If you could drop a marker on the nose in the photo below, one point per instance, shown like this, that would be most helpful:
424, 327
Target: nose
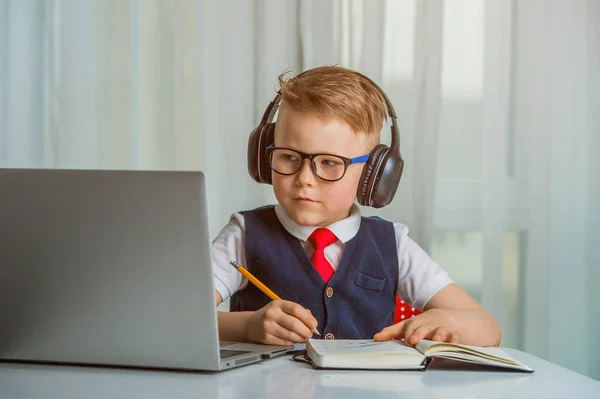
305, 175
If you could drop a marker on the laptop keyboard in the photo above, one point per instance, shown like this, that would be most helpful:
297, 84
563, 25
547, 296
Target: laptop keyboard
225, 353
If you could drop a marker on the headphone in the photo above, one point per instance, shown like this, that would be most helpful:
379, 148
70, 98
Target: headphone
381, 174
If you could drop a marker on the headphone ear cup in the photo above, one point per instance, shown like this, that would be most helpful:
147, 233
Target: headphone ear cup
380, 178
258, 163
387, 179
252, 156
267, 138
365, 183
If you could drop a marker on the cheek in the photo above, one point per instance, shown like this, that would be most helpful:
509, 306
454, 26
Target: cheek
278, 183
282, 186
347, 187
355, 177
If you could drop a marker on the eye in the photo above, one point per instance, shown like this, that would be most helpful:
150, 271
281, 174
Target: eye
290, 157
286, 156
330, 163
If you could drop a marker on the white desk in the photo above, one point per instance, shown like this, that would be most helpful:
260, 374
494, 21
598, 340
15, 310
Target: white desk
282, 378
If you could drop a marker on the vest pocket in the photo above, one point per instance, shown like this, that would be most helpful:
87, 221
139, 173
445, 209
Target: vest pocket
370, 283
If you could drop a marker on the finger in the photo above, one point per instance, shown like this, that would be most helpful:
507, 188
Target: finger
294, 324
441, 334
424, 330
454, 338
283, 333
304, 315
411, 326
275, 340
393, 331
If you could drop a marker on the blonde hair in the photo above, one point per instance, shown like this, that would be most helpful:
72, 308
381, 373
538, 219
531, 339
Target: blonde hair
337, 93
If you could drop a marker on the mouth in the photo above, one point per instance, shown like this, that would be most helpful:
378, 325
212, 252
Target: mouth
304, 200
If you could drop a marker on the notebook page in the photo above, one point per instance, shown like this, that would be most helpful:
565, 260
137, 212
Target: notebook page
492, 352
360, 346
475, 353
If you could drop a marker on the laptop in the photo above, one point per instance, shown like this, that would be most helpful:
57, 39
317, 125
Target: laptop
111, 268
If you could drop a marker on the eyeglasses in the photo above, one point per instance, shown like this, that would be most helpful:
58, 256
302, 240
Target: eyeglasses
328, 167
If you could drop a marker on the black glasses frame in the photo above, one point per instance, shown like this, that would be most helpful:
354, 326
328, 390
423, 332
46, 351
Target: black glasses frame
311, 157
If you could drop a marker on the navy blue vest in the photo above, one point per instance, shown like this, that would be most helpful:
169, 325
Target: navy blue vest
364, 284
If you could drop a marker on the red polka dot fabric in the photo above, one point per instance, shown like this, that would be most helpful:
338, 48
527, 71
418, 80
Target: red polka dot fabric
404, 311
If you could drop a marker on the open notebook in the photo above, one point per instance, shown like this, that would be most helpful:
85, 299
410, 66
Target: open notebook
368, 354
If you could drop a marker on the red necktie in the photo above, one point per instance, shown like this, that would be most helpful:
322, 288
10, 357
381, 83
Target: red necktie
321, 238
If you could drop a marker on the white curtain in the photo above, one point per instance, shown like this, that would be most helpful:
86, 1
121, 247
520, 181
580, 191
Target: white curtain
498, 103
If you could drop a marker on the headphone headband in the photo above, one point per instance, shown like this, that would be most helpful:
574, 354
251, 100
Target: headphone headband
273, 106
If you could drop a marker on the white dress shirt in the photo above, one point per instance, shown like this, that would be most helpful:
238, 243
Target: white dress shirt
419, 277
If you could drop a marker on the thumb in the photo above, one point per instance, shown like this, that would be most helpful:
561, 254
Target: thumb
393, 331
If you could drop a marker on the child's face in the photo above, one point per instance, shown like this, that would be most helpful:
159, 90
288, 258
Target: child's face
307, 199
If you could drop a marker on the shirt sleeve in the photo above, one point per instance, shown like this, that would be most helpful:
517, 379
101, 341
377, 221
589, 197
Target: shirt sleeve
419, 277
228, 246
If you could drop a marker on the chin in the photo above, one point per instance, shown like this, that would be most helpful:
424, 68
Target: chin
304, 217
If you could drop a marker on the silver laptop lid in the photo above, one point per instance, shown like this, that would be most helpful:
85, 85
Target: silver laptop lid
106, 267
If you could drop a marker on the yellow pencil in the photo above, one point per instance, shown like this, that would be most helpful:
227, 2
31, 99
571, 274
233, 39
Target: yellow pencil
260, 285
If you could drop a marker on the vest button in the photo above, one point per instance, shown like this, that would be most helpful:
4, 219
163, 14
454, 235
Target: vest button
329, 336
329, 292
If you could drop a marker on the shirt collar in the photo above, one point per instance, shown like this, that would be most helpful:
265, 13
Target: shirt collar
344, 229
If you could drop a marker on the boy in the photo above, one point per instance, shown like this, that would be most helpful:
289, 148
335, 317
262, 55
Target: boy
327, 128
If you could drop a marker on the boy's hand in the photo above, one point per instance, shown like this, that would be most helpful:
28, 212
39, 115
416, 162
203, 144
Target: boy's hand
434, 324
281, 323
